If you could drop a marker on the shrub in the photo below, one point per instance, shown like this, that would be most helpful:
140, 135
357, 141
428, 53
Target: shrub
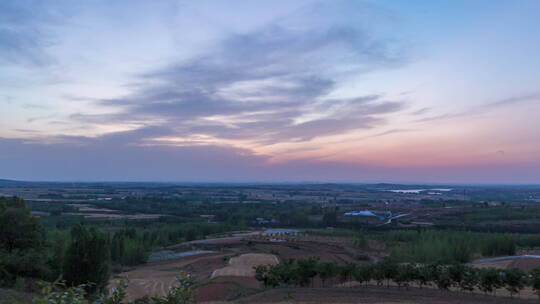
514, 280
87, 259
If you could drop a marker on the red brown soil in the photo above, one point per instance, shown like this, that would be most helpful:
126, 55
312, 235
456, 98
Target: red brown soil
248, 282
373, 295
218, 241
302, 250
525, 264
217, 291
156, 278
202, 269
244, 264
223, 288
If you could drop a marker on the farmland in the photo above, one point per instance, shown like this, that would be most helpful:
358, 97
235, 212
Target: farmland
225, 275
220, 234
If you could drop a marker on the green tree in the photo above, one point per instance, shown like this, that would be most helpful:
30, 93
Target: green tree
330, 219
423, 275
262, 275
117, 247
22, 241
18, 228
514, 280
404, 275
285, 273
389, 269
456, 272
327, 270
307, 270
469, 279
346, 271
363, 273
440, 275
87, 259
534, 276
378, 274
489, 280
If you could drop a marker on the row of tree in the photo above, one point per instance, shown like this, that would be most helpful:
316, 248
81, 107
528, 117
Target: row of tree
303, 273
446, 246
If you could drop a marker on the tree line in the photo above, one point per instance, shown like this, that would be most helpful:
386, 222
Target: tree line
303, 272
83, 254
447, 246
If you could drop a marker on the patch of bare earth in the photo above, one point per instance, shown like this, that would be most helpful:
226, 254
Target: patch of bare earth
224, 288
157, 277
495, 264
373, 295
525, 264
303, 250
243, 265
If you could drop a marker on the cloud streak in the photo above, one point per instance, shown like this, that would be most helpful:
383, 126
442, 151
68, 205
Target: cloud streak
488, 107
25, 31
267, 86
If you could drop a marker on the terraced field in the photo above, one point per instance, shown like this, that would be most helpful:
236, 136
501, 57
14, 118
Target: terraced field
157, 277
243, 265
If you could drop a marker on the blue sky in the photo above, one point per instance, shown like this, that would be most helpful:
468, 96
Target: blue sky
400, 91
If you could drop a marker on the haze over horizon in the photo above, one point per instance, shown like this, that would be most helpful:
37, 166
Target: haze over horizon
216, 91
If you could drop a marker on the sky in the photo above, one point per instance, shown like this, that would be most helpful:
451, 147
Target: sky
405, 91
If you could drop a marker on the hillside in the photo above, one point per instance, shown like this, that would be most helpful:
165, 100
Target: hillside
9, 183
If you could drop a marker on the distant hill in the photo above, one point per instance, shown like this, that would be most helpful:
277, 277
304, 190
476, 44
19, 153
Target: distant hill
9, 182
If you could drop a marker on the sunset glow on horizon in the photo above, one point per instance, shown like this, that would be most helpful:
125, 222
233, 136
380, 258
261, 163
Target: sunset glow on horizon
229, 91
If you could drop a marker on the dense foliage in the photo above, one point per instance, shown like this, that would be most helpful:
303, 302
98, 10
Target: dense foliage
22, 240
446, 246
87, 259
82, 252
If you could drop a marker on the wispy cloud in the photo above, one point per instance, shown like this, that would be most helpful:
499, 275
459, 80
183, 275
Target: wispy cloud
267, 86
25, 31
514, 100
484, 108
421, 111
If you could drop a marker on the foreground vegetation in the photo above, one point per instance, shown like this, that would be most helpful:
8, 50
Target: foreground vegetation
59, 293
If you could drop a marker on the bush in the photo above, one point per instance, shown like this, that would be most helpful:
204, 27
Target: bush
490, 279
59, 293
87, 259
515, 280
22, 241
